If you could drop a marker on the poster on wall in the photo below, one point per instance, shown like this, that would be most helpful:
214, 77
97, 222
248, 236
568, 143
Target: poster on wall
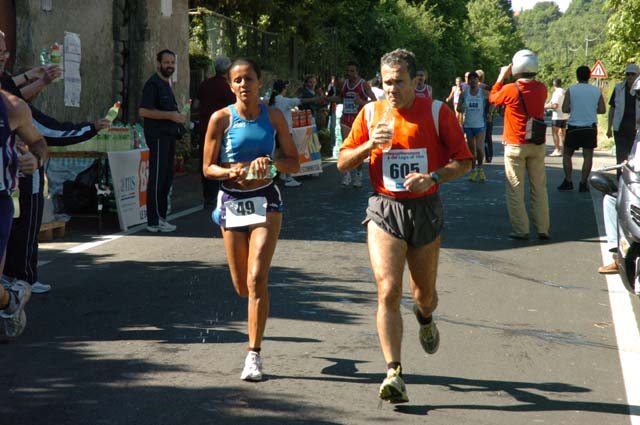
129, 173
71, 68
308, 145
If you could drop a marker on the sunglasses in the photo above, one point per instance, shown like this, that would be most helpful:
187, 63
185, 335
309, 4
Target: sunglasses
631, 73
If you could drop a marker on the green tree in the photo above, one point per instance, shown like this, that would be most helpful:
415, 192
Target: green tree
565, 41
622, 31
495, 37
534, 24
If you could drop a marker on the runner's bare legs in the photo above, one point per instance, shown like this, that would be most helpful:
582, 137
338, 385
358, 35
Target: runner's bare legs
249, 255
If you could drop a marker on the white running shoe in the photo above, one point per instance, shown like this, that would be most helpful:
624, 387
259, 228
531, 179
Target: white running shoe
357, 181
165, 226
252, 367
40, 288
346, 179
291, 182
13, 319
555, 153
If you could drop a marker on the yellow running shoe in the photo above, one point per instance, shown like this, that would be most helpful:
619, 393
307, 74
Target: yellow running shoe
428, 335
473, 174
482, 175
393, 388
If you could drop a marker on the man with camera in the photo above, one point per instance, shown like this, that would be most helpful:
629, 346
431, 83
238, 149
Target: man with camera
521, 155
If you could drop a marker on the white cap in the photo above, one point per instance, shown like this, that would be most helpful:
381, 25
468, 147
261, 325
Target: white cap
524, 62
635, 87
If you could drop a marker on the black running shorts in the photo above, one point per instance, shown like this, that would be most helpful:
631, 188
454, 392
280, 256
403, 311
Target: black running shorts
581, 137
416, 221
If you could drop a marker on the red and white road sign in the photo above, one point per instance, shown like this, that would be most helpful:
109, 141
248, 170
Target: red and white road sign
598, 70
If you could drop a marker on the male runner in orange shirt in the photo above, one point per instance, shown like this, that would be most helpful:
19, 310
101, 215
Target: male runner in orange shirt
404, 216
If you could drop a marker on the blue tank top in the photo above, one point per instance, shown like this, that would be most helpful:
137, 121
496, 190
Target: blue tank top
247, 140
9, 155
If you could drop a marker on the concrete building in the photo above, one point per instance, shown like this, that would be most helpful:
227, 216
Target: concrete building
119, 41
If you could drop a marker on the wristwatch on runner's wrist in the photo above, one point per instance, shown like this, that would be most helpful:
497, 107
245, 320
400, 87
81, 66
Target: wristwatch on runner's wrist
435, 177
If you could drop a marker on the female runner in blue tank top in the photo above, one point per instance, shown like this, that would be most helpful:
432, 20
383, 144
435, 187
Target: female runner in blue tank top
249, 211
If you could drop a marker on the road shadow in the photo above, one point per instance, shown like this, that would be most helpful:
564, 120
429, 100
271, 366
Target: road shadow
55, 369
527, 396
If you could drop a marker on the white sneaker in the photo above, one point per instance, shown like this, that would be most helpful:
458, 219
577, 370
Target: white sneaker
346, 179
40, 288
291, 182
357, 181
13, 322
252, 367
165, 226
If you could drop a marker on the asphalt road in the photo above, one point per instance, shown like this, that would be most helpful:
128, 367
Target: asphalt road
146, 328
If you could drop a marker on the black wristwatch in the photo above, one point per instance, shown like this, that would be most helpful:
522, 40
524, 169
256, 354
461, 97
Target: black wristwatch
435, 177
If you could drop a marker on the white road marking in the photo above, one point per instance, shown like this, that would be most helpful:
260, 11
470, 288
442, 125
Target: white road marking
108, 238
625, 323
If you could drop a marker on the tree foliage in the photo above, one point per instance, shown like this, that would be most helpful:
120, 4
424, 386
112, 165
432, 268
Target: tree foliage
494, 36
565, 41
622, 31
448, 37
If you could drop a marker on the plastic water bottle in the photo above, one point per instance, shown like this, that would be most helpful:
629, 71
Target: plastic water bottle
55, 58
272, 172
387, 123
186, 111
44, 57
112, 113
142, 144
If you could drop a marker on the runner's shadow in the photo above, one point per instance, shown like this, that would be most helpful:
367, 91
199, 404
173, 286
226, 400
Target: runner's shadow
530, 396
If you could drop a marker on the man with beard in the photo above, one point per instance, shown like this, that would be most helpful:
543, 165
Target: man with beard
163, 124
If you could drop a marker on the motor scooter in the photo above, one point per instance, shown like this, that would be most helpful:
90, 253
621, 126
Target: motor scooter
626, 190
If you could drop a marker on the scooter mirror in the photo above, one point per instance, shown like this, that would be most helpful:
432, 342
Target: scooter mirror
604, 183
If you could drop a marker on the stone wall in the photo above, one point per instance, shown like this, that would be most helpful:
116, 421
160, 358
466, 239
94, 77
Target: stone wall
120, 39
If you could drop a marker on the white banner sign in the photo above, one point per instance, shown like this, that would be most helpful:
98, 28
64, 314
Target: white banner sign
130, 172
308, 145
72, 81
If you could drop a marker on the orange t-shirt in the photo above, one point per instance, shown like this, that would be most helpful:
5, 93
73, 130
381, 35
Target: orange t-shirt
515, 120
414, 129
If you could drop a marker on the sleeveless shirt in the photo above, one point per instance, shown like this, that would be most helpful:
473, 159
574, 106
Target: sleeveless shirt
473, 109
246, 140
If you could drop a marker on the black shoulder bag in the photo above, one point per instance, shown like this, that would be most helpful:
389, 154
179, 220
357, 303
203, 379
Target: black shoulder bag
536, 128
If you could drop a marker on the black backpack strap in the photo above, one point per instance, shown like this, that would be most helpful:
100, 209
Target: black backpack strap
524, 105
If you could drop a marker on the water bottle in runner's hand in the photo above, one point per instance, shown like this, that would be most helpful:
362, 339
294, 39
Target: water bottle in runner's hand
271, 173
387, 122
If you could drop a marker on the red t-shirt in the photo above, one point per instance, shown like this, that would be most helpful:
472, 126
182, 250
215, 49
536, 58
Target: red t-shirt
515, 120
413, 129
214, 93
